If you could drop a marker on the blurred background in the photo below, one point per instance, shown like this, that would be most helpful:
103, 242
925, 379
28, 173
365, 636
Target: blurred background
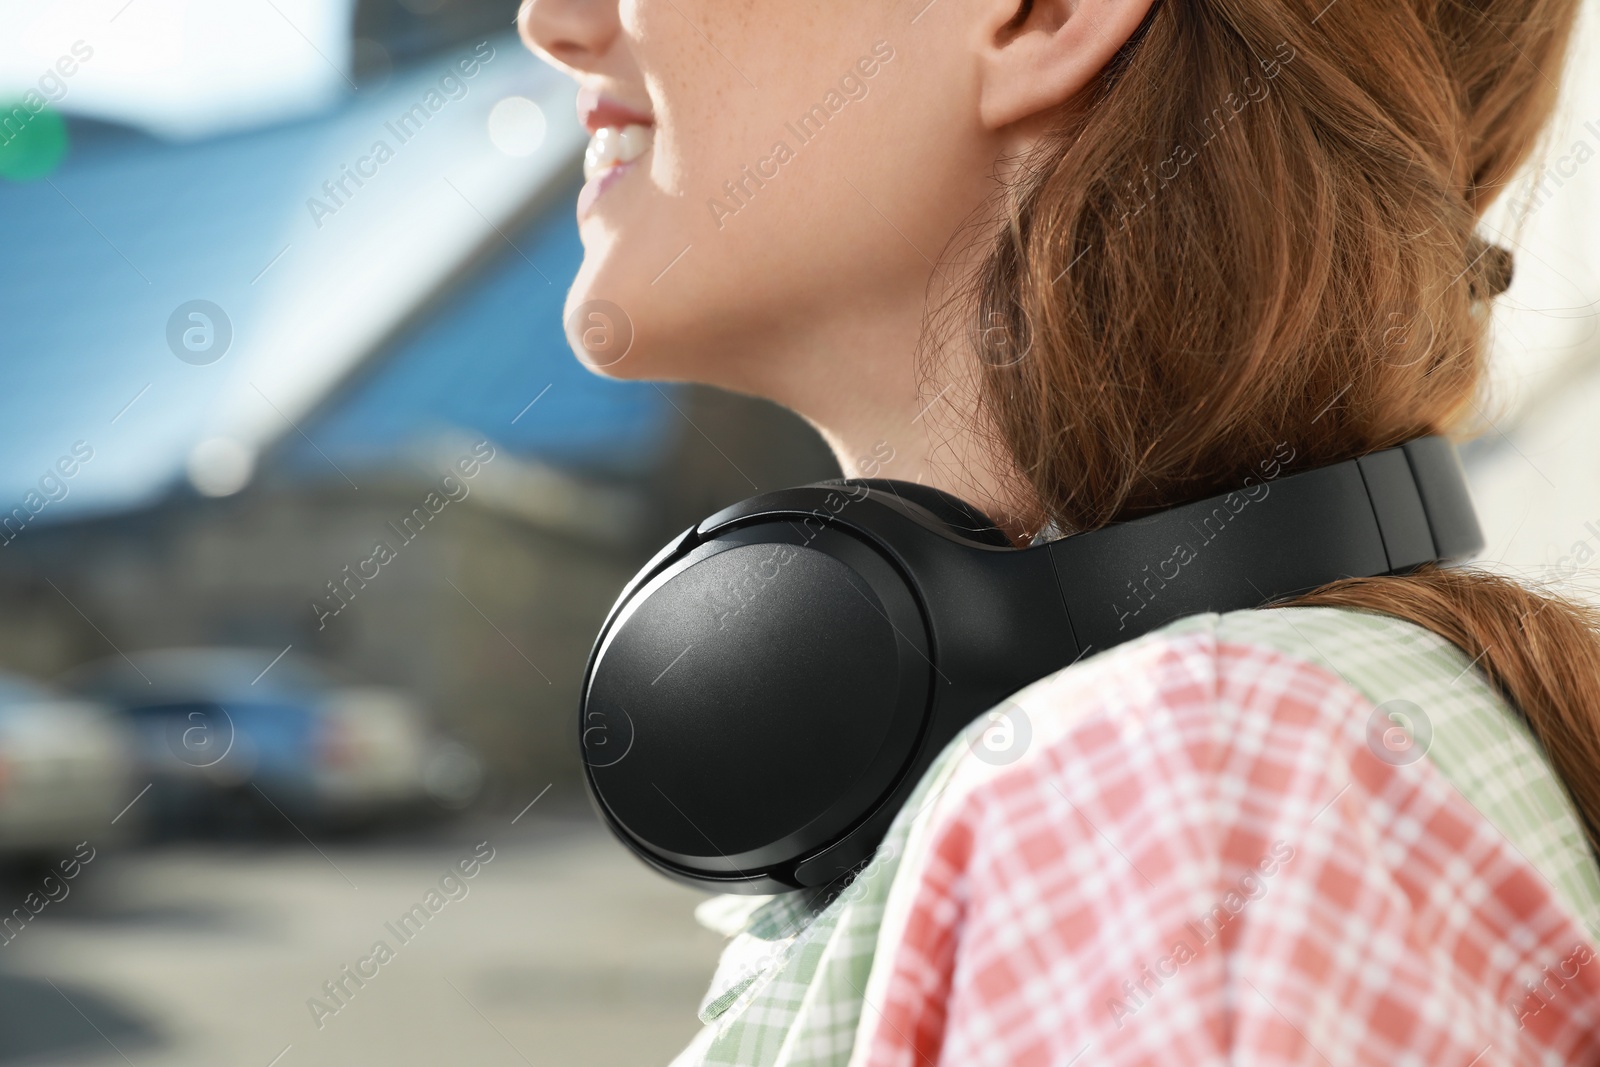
242, 347
308, 516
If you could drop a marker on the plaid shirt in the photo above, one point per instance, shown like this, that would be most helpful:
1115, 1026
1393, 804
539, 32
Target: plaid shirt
1209, 846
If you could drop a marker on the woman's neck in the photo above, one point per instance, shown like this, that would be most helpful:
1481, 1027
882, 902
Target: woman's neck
927, 432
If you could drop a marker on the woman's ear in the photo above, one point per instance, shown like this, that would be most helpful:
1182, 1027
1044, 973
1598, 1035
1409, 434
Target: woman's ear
1038, 54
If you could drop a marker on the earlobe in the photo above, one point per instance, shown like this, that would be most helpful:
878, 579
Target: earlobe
1040, 54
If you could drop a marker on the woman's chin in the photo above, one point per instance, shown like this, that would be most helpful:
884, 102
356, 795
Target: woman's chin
600, 316
619, 326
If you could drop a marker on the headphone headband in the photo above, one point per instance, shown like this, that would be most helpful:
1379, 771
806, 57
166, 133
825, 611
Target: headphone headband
1385, 513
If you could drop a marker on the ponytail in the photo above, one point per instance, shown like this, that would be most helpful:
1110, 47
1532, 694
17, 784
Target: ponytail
1541, 652
1261, 231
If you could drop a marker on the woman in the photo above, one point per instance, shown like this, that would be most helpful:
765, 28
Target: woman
1076, 261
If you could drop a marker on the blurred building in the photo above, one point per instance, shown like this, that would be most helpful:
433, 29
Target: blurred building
487, 612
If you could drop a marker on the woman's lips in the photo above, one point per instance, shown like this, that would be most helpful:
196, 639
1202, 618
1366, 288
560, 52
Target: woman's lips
619, 136
595, 186
595, 110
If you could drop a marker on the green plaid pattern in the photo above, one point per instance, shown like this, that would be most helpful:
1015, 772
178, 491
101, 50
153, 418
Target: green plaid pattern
1482, 746
789, 989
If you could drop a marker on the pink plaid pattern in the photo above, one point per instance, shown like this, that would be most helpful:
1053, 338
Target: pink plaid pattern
1199, 860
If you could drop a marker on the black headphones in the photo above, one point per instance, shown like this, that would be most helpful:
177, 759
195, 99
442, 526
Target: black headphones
766, 693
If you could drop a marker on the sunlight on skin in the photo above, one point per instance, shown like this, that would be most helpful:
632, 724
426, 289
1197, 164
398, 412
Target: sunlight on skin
818, 178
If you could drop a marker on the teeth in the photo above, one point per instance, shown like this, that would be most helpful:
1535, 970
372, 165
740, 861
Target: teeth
612, 147
635, 140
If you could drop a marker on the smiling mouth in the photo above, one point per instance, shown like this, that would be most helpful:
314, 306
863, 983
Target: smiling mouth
619, 134
615, 146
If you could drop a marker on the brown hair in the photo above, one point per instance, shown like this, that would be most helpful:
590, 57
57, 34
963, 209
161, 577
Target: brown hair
1258, 231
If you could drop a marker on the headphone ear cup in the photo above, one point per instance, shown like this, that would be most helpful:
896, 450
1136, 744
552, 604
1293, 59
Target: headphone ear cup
960, 517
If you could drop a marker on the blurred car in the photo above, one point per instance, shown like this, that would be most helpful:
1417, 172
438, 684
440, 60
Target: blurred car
242, 738
65, 770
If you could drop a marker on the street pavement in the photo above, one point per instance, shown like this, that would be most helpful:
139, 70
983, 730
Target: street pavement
560, 949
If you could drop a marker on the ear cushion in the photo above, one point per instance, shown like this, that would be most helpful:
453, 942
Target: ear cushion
961, 517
